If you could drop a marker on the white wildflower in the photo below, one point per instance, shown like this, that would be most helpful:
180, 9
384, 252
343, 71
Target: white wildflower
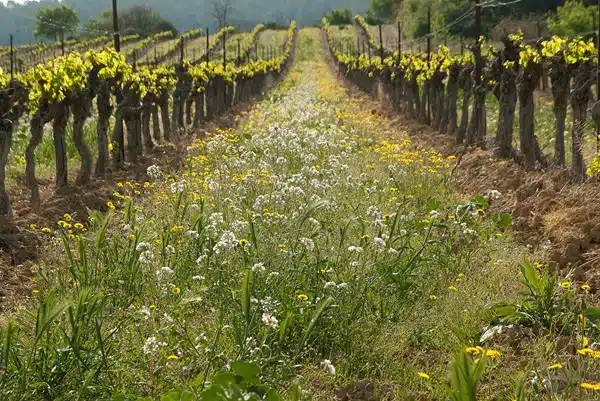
226, 242
178, 187
153, 172
329, 366
308, 244
258, 267
270, 321
379, 244
163, 272
146, 257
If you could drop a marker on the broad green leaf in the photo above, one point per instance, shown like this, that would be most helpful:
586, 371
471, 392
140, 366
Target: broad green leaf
502, 220
593, 314
249, 371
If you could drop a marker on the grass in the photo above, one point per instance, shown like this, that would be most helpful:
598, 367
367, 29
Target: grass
300, 250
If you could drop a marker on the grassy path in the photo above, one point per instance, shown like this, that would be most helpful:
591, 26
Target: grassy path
301, 243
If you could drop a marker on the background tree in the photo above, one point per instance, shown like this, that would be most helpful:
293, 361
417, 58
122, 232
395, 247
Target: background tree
142, 20
340, 16
573, 18
55, 21
221, 11
380, 11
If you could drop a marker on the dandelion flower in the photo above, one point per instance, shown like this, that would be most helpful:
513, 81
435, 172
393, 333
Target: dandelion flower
585, 351
423, 375
566, 283
301, 297
591, 386
176, 290
473, 350
493, 353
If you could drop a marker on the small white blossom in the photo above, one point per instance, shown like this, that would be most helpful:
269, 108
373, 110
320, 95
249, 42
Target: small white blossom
258, 267
308, 244
329, 366
178, 187
153, 172
269, 320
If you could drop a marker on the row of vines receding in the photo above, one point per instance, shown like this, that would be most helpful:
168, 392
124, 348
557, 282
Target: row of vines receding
439, 89
135, 108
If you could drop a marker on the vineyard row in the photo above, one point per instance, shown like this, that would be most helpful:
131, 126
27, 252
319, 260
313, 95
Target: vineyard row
426, 87
147, 97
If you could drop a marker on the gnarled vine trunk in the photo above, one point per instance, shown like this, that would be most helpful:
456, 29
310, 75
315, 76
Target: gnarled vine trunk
527, 83
105, 109
449, 122
163, 103
42, 116
81, 107
581, 96
466, 84
146, 119
508, 107
560, 79
155, 123
199, 114
59, 128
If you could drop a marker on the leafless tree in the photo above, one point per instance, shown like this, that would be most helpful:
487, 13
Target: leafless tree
221, 10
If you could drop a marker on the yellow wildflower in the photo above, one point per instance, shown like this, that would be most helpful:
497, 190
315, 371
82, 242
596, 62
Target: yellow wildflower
566, 283
493, 353
176, 290
78, 226
586, 287
110, 205
423, 375
585, 351
591, 386
301, 297
452, 288
432, 297
67, 217
556, 366
172, 357
33, 226
46, 230
177, 229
